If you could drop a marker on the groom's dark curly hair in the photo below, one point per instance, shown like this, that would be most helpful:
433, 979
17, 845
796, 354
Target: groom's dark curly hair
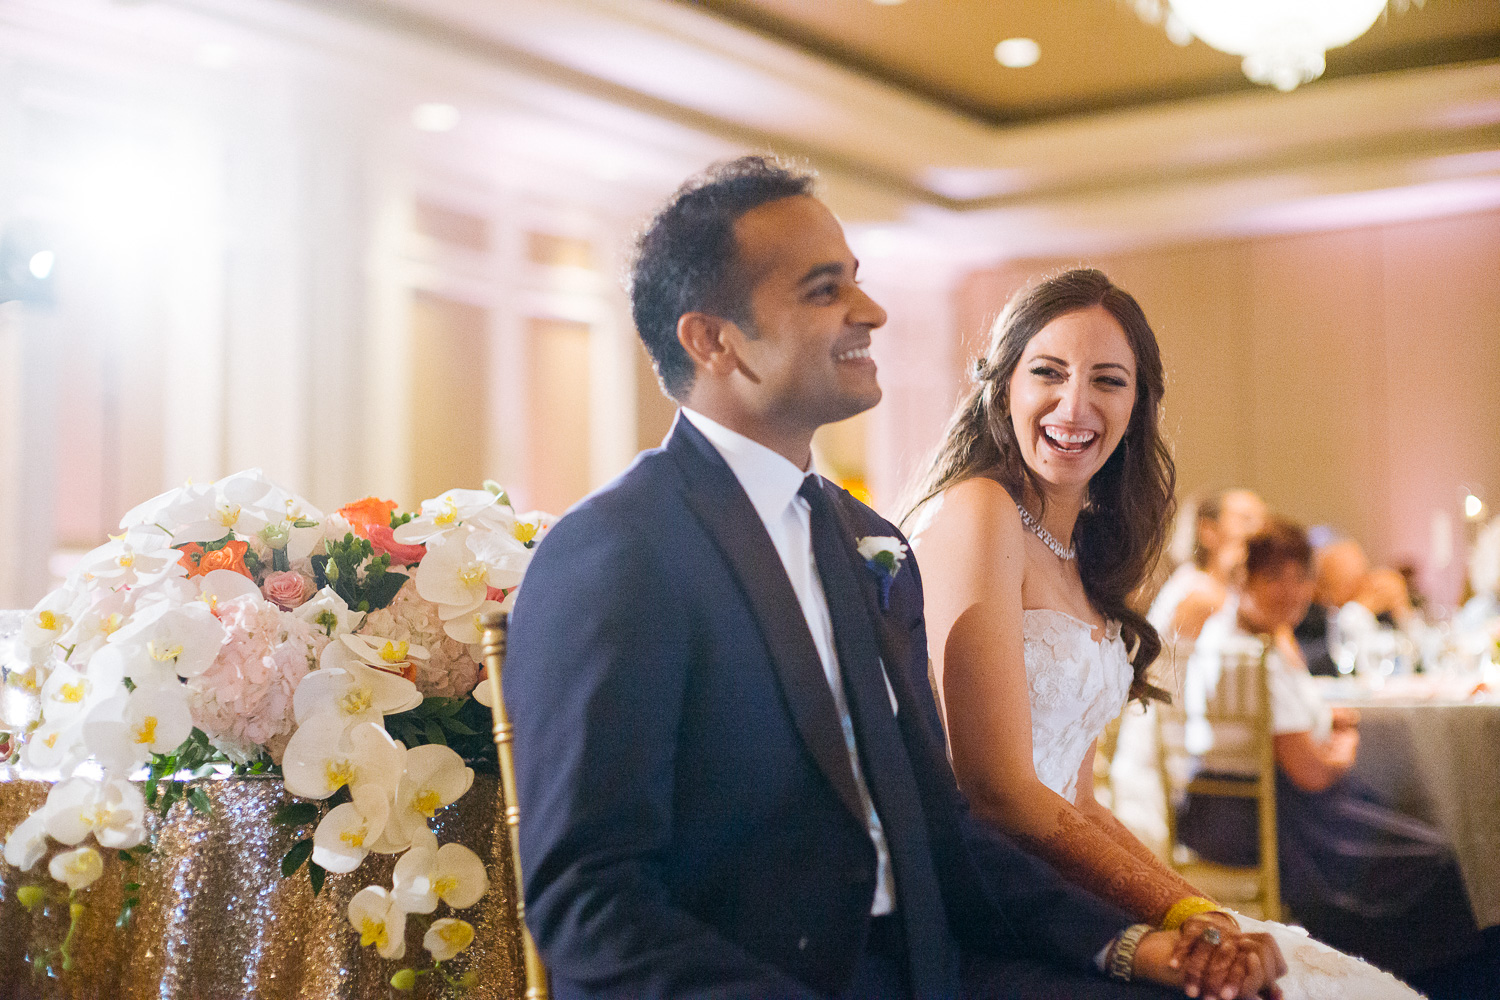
686, 259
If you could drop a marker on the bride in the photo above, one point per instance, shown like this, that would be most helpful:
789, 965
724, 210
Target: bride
1044, 509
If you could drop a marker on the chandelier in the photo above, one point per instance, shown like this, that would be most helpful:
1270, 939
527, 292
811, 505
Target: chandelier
1281, 41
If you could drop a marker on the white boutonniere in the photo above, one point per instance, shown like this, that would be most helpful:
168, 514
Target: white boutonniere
883, 554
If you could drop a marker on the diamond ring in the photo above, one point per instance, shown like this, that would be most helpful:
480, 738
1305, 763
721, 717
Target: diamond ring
1212, 936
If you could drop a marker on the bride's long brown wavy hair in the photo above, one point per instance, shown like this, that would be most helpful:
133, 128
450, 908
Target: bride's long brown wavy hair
1122, 529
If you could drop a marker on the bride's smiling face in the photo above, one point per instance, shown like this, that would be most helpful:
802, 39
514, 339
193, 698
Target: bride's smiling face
1071, 396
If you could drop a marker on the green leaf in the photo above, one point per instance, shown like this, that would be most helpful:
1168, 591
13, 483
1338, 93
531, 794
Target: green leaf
315, 874
294, 858
457, 727
127, 857
383, 591
435, 733
296, 814
215, 546
279, 561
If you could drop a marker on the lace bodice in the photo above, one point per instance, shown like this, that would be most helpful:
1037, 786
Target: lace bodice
1077, 685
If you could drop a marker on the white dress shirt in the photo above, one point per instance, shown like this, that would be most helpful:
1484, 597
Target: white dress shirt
771, 482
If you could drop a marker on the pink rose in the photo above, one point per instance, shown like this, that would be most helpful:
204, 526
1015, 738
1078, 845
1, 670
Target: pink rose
383, 541
287, 590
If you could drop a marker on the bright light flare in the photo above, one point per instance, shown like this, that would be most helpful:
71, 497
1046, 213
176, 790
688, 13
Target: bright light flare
435, 117
1017, 53
41, 264
1473, 506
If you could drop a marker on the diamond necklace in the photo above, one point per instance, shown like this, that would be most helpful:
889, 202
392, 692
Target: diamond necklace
1065, 554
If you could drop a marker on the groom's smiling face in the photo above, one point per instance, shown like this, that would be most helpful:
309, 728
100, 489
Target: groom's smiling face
804, 348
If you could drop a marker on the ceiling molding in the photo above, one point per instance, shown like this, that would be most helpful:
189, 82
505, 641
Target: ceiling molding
890, 155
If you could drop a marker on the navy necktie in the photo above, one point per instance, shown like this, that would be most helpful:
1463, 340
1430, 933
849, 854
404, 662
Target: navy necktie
882, 752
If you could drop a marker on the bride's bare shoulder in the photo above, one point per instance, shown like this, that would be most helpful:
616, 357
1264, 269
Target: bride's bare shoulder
978, 514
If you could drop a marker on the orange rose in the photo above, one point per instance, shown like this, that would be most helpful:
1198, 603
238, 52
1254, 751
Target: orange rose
201, 563
368, 513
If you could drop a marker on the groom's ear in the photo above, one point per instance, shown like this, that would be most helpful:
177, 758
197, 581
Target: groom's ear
703, 337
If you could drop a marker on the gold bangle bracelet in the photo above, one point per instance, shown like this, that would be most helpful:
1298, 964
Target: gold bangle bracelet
1185, 909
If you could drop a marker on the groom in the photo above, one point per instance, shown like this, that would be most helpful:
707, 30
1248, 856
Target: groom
732, 775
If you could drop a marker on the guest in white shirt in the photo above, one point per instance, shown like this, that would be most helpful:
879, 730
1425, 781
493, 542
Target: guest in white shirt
1355, 872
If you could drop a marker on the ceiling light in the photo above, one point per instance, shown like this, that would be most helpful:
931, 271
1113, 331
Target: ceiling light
216, 55
1282, 42
1017, 53
887, 3
435, 117
1473, 507
41, 263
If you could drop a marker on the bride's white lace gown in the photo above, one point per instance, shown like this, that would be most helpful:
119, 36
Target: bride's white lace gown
1077, 685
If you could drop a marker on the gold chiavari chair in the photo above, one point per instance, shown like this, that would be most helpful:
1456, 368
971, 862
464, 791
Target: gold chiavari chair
1240, 702
495, 625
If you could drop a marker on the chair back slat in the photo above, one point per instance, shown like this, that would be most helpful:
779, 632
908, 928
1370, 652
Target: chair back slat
1239, 701
495, 624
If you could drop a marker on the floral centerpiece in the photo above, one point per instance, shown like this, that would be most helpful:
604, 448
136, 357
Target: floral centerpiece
233, 627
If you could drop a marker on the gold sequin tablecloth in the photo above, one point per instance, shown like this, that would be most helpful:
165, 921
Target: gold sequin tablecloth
216, 920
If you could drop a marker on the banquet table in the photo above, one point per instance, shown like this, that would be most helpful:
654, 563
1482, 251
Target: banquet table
1439, 761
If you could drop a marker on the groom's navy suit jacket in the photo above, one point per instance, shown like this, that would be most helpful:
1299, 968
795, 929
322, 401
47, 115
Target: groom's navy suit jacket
690, 824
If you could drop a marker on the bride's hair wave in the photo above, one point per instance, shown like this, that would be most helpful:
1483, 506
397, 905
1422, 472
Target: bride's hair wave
1121, 531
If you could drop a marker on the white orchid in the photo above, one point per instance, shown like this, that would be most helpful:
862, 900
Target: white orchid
139, 558
324, 755
383, 654
329, 611
164, 638
380, 921
162, 510
442, 514
123, 732
354, 691
224, 585
454, 574
69, 694
28, 841
79, 868
55, 745
208, 512
469, 628
96, 622
427, 873
51, 619
349, 831
113, 810
435, 776
447, 937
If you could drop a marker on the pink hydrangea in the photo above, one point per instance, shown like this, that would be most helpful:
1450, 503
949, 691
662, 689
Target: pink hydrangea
450, 670
244, 700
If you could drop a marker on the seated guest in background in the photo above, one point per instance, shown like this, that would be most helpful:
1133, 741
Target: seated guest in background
1341, 568
1356, 873
1197, 588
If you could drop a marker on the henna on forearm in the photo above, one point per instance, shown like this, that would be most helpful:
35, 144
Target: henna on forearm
1085, 853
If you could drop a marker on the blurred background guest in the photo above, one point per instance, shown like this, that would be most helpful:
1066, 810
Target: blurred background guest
1341, 569
1355, 872
1197, 588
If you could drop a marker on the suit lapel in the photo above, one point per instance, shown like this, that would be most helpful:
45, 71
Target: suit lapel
716, 498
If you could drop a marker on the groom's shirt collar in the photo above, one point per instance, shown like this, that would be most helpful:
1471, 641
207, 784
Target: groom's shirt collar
768, 477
